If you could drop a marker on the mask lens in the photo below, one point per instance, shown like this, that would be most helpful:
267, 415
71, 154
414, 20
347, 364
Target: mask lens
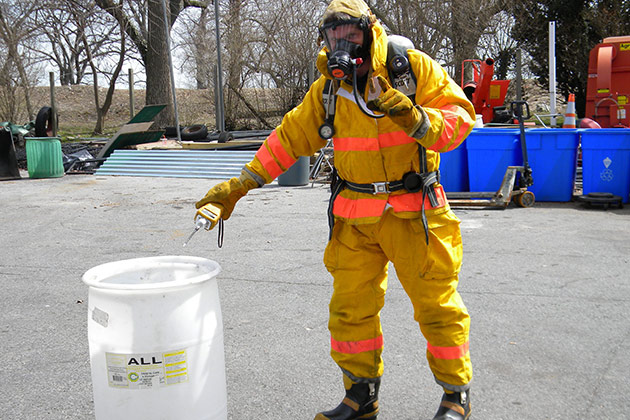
334, 33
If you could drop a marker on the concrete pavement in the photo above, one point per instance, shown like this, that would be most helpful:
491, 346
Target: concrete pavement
548, 289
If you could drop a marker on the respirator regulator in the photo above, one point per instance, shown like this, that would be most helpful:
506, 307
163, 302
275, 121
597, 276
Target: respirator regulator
343, 61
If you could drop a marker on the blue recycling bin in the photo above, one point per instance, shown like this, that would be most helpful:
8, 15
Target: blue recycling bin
606, 161
454, 169
490, 151
552, 155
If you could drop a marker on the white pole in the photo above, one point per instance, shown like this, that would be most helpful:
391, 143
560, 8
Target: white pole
552, 72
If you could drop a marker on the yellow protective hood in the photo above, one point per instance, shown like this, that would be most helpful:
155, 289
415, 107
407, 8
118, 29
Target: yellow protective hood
354, 8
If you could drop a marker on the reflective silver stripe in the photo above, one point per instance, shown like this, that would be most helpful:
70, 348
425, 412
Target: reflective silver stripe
454, 388
424, 127
260, 180
358, 380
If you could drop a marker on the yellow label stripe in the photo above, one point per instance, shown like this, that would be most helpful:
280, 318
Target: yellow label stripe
174, 354
179, 374
175, 364
176, 370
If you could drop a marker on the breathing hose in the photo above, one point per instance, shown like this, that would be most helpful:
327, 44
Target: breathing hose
359, 100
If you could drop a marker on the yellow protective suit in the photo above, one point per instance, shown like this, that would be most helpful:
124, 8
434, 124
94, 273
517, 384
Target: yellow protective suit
372, 229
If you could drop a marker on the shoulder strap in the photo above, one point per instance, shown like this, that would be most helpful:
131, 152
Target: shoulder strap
329, 99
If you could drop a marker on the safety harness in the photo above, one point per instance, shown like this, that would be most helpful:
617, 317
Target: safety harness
403, 79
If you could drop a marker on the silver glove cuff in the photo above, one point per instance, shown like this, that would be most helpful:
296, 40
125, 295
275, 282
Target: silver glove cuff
424, 126
253, 175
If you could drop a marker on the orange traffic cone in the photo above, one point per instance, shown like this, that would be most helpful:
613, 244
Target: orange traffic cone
569, 115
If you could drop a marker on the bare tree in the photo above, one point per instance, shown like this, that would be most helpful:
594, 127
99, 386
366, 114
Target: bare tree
92, 40
449, 30
266, 44
144, 24
497, 44
284, 48
15, 34
198, 47
60, 41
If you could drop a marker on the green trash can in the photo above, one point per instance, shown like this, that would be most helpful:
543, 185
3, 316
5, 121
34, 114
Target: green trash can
44, 158
297, 174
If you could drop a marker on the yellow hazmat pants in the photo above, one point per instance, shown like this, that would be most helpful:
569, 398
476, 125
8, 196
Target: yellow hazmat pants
357, 256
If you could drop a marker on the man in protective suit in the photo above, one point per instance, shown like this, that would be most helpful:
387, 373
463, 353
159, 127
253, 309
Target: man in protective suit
387, 204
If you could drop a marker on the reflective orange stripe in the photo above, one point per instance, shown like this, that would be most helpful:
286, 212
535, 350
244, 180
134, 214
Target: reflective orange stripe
396, 138
448, 353
413, 201
370, 207
451, 118
463, 129
268, 162
364, 144
360, 207
352, 144
353, 347
279, 151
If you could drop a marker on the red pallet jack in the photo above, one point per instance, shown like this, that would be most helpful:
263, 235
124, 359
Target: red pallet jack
512, 187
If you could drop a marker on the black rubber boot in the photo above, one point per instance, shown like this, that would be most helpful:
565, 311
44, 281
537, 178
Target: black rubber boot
361, 402
454, 406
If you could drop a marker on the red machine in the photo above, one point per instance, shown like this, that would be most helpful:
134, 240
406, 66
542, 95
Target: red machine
608, 87
487, 95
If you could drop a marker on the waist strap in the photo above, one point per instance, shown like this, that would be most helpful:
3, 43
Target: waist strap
375, 187
419, 182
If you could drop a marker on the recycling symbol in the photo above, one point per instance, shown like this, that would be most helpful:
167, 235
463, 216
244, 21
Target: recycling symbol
606, 175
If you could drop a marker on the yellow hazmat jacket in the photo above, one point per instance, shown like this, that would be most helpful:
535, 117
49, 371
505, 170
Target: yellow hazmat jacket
366, 149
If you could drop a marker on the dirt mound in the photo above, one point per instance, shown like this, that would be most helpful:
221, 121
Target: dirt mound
77, 113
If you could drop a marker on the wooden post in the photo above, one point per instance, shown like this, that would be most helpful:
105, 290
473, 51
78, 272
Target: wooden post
53, 106
132, 111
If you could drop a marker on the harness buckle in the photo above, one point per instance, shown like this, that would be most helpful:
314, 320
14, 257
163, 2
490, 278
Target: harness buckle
380, 187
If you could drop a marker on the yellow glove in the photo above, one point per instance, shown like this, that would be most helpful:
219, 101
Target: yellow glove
397, 106
226, 194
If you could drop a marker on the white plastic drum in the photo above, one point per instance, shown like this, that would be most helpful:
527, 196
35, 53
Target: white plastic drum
156, 339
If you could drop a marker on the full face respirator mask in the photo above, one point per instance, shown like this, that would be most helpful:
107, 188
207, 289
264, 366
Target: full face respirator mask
347, 50
348, 42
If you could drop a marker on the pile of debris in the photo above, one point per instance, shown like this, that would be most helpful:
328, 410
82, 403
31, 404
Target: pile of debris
73, 153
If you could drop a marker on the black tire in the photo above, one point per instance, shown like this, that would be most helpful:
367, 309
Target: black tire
195, 132
44, 122
172, 131
225, 136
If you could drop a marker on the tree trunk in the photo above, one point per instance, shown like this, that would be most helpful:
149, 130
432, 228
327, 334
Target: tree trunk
234, 49
204, 68
158, 91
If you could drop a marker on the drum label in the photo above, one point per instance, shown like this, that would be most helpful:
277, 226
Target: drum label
146, 370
